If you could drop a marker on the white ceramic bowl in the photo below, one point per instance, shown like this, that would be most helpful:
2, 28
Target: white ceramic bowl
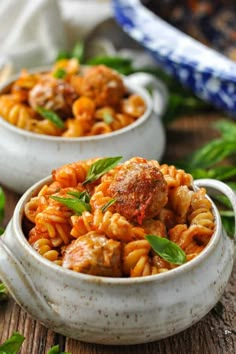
27, 157
116, 310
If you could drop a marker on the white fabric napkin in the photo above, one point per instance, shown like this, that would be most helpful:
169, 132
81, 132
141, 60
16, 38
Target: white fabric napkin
32, 32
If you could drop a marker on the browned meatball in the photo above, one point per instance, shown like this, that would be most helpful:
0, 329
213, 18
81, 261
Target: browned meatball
140, 191
94, 254
103, 85
53, 94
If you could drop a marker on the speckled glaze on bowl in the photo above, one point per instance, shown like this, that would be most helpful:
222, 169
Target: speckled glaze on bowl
27, 157
116, 310
211, 75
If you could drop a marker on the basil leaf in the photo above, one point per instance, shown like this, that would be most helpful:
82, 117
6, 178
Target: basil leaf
167, 249
51, 116
13, 344
227, 213
78, 51
63, 54
229, 226
1, 230
74, 204
56, 350
60, 73
3, 293
98, 168
122, 65
108, 118
106, 206
2, 204
212, 153
226, 128
84, 196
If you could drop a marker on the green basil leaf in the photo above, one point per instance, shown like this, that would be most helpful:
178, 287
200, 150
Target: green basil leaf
108, 118
167, 249
78, 51
3, 292
106, 206
60, 73
13, 344
212, 153
229, 226
1, 230
2, 204
52, 116
226, 128
84, 196
227, 213
98, 168
74, 204
56, 350
122, 65
63, 54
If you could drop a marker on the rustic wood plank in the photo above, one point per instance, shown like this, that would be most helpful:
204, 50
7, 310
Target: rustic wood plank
214, 334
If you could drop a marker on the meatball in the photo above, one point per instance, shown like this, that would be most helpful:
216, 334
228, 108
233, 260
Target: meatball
94, 254
53, 94
103, 85
140, 191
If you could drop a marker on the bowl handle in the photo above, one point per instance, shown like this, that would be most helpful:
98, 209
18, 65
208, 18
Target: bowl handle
214, 187
21, 286
160, 95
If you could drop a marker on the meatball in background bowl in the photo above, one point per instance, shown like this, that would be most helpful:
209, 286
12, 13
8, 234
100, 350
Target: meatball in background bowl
32, 146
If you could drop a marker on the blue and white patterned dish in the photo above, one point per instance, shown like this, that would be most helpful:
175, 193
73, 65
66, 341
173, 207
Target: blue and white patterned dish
209, 74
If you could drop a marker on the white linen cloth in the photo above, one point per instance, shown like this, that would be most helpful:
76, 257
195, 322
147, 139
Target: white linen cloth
32, 32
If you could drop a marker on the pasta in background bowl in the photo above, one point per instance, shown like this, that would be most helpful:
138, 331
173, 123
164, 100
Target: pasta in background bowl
112, 113
99, 258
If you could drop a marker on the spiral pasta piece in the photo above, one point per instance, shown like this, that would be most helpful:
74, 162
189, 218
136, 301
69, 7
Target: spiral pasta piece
44, 247
16, 113
115, 226
136, 258
176, 177
179, 201
71, 175
201, 214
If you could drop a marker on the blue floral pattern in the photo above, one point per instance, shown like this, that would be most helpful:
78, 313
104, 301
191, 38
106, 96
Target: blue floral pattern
210, 75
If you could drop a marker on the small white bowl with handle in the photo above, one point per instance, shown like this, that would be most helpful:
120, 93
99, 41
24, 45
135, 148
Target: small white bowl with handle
27, 157
116, 310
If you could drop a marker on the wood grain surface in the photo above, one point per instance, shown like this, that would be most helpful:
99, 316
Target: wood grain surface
214, 334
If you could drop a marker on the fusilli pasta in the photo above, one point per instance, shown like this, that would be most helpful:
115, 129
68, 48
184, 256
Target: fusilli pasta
83, 101
82, 226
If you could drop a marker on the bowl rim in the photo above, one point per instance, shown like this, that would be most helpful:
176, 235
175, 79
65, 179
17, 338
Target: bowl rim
170, 274
35, 136
177, 59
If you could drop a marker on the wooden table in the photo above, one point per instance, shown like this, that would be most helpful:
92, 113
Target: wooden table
214, 334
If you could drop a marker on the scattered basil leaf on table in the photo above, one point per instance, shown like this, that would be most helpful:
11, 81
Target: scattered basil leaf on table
56, 350
167, 249
107, 205
98, 168
13, 344
74, 204
51, 116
